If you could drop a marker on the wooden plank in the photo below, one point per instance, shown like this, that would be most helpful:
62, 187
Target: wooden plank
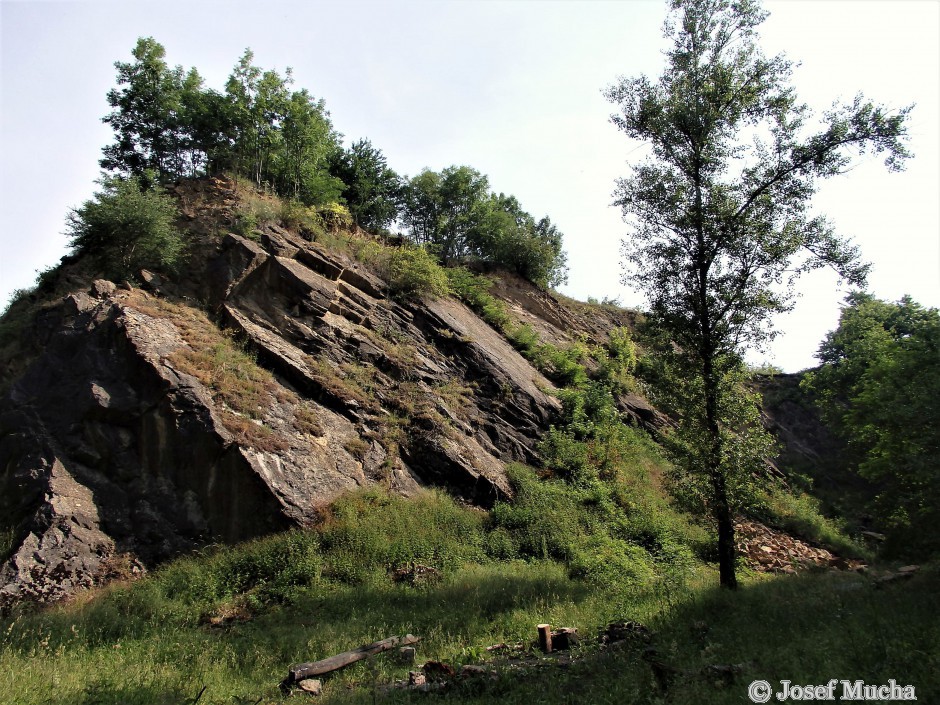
334, 663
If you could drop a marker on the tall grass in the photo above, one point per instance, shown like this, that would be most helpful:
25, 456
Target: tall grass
307, 594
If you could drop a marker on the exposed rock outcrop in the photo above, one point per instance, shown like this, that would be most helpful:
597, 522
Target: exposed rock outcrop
121, 438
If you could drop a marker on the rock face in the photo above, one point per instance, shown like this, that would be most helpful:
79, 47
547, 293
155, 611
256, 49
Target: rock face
123, 439
134, 428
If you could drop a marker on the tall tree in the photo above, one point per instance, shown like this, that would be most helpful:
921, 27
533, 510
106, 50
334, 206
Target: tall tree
372, 189
145, 115
721, 225
443, 209
307, 143
879, 389
205, 120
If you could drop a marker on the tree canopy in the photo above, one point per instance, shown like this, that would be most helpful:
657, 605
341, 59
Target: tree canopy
879, 389
454, 213
720, 216
167, 122
372, 190
169, 125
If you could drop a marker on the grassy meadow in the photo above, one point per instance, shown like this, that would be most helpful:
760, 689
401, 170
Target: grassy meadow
227, 623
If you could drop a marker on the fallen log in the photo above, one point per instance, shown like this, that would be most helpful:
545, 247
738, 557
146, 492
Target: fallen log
317, 668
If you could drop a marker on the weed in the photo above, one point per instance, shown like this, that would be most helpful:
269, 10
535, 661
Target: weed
357, 447
306, 420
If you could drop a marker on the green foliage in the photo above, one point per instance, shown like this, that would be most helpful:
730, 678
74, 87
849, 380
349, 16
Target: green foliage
561, 365
473, 290
454, 213
591, 527
441, 210
743, 442
303, 595
617, 361
269, 569
800, 514
509, 237
369, 533
125, 227
145, 115
372, 190
409, 271
129, 647
168, 125
8, 540
879, 387
719, 219
256, 209
282, 138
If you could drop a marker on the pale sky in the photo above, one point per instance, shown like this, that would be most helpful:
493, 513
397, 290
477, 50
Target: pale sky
512, 89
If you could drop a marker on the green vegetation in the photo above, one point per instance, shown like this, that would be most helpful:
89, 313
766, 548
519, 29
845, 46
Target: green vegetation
125, 227
234, 619
879, 389
454, 213
719, 220
372, 189
411, 271
168, 125
801, 514
473, 290
608, 527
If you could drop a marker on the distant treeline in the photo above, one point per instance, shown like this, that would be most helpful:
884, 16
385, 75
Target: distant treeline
168, 125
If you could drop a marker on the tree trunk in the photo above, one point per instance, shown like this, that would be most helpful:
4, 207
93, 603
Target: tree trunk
726, 550
721, 506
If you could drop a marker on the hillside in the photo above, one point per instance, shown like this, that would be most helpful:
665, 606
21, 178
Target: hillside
306, 438
246, 392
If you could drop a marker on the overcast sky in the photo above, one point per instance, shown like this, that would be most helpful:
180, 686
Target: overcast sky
510, 88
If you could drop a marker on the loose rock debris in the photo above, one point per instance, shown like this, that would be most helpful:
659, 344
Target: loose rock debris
770, 551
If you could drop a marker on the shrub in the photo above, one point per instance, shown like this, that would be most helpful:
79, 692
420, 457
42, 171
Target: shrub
126, 227
411, 272
271, 568
334, 216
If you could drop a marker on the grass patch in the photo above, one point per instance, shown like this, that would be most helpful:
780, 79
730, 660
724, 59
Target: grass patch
288, 600
368, 534
243, 391
346, 383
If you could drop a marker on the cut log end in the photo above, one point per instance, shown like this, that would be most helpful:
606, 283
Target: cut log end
545, 637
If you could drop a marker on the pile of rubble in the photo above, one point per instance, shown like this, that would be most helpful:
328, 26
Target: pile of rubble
770, 551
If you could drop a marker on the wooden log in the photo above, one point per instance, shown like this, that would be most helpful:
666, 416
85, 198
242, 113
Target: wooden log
564, 638
334, 663
545, 637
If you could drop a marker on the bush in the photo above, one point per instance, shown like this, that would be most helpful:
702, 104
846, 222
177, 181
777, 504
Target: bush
409, 271
126, 227
269, 568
